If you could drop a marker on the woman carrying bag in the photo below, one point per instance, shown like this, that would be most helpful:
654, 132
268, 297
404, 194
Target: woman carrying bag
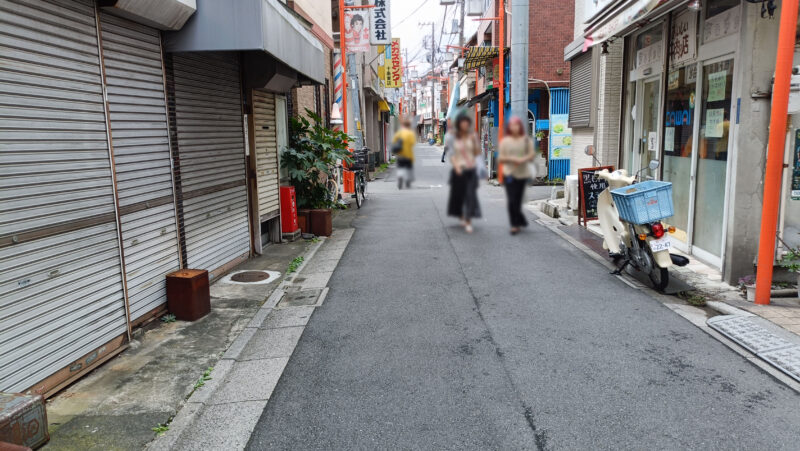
516, 153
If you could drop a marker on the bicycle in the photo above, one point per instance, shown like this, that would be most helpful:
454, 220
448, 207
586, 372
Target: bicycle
359, 169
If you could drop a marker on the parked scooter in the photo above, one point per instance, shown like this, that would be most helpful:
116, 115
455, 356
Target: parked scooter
644, 245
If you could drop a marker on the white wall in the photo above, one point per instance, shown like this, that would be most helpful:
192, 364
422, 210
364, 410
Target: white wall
320, 13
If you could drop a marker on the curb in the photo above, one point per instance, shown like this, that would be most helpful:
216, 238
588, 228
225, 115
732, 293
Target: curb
193, 407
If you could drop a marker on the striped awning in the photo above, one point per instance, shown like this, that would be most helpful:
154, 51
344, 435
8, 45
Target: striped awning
478, 56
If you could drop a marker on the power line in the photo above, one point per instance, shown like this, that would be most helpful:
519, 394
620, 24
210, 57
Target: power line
412, 13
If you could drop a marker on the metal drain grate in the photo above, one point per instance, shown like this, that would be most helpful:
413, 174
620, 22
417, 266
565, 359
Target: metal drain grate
297, 298
250, 276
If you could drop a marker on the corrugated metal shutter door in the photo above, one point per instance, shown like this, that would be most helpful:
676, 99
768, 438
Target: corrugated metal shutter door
210, 134
140, 135
266, 153
580, 108
61, 292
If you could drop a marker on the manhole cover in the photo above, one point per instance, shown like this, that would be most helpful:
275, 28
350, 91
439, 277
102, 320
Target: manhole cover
250, 276
296, 298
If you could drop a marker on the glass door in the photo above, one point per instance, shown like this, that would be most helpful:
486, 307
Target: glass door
712, 158
678, 141
646, 128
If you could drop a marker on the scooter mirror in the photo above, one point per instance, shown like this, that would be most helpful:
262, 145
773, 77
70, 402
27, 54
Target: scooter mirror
654, 164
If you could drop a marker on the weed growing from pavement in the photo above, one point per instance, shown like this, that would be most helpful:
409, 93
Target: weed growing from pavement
168, 318
204, 378
161, 429
294, 265
693, 298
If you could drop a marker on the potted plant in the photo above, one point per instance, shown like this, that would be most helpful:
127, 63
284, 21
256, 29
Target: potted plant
310, 159
747, 285
539, 136
791, 261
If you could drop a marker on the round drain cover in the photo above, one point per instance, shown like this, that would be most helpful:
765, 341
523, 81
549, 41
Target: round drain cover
250, 276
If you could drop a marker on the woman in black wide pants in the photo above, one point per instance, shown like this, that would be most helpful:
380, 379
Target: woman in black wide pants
463, 202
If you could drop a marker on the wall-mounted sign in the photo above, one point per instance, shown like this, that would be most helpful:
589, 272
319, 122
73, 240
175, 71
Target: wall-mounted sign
648, 55
560, 136
683, 38
723, 24
356, 30
796, 167
393, 65
381, 32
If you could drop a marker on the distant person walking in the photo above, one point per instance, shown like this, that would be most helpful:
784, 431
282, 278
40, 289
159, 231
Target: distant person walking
463, 202
403, 148
516, 152
449, 138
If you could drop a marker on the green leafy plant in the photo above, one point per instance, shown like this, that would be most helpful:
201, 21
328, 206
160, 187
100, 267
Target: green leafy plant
168, 318
540, 135
791, 260
310, 157
161, 429
204, 378
295, 264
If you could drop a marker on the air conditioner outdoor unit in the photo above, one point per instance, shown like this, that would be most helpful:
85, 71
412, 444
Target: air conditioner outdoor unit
474, 7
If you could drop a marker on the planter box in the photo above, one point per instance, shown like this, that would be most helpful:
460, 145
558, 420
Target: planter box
188, 294
321, 221
304, 220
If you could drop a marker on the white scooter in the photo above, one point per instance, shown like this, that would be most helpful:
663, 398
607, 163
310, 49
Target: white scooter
644, 247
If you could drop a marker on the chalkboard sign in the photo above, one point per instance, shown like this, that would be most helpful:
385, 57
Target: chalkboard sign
589, 188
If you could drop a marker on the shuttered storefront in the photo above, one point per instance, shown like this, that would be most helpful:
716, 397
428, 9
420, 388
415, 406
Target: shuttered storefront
140, 136
62, 301
266, 150
208, 124
580, 107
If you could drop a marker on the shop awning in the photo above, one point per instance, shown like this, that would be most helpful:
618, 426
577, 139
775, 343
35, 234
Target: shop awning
383, 106
619, 16
251, 25
479, 55
489, 94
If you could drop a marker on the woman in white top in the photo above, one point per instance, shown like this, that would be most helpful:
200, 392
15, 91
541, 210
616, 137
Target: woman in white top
463, 202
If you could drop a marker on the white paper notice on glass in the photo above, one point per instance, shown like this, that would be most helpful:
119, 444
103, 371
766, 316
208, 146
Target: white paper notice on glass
669, 139
652, 141
714, 118
716, 85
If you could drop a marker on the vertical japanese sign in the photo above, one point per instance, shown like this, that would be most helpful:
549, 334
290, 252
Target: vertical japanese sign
392, 66
381, 32
683, 38
796, 167
356, 30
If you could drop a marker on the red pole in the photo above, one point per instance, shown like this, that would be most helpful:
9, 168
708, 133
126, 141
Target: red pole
777, 135
343, 49
502, 85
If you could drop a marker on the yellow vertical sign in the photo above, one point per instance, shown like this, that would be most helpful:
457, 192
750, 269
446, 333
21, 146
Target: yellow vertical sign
393, 65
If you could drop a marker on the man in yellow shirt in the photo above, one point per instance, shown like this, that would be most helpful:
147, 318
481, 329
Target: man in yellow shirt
403, 148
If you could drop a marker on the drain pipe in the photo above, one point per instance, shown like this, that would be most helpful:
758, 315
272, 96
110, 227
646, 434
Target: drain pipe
777, 135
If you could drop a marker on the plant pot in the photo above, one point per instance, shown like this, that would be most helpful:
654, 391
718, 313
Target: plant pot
321, 221
304, 221
751, 292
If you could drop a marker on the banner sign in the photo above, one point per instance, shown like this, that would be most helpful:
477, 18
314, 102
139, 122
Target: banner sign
381, 32
683, 38
356, 30
393, 66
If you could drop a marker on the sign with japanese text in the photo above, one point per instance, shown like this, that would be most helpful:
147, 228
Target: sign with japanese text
381, 32
796, 167
356, 30
589, 188
683, 38
393, 66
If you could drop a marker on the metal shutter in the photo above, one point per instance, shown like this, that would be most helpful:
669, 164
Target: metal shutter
140, 135
580, 84
266, 145
210, 140
61, 288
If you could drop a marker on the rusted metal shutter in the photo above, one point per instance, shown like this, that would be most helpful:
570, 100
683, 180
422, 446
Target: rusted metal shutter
211, 171
266, 146
61, 287
140, 136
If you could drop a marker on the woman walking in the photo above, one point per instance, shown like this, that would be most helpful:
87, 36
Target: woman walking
516, 151
463, 201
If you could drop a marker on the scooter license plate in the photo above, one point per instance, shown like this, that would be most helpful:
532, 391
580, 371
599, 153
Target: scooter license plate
662, 244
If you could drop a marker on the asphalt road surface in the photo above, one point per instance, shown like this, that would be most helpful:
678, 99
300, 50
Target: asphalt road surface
434, 339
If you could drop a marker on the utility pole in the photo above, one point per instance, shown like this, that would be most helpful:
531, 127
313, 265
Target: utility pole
461, 25
519, 67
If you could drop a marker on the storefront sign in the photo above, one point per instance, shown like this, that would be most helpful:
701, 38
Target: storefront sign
723, 24
356, 30
796, 167
716, 86
560, 136
652, 141
392, 73
714, 122
674, 79
683, 38
669, 139
381, 32
649, 55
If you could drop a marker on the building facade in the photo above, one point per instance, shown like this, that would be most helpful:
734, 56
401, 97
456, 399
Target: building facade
136, 143
694, 94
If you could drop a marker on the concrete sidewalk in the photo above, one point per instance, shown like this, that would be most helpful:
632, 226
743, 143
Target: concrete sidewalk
223, 412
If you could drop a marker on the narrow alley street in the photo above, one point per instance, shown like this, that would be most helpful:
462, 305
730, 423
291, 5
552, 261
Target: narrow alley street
432, 338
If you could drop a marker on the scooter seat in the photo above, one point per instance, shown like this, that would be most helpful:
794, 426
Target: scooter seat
679, 260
